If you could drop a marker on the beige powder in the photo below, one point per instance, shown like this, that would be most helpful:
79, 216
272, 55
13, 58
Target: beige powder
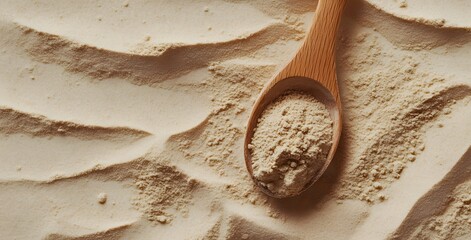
291, 142
453, 222
89, 114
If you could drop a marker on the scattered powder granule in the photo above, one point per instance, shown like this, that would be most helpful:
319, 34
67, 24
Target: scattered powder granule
162, 219
403, 4
102, 197
291, 142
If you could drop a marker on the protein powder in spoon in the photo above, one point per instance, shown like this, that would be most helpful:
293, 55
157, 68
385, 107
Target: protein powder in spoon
290, 143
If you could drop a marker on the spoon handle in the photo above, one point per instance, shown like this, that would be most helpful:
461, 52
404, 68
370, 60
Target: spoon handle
316, 57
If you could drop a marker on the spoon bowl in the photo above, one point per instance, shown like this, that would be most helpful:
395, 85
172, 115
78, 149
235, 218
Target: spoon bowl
305, 85
311, 71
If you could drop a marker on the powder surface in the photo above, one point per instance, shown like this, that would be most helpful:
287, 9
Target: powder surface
150, 107
291, 142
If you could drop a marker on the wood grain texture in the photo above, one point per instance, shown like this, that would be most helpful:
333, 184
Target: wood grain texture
316, 57
311, 70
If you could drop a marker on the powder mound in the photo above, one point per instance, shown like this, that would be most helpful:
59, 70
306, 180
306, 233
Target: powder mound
163, 190
291, 142
454, 222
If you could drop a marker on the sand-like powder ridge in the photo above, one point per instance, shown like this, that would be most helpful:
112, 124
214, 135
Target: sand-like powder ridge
290, 143
126, 120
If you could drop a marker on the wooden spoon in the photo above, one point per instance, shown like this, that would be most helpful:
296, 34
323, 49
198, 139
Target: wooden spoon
312, 70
